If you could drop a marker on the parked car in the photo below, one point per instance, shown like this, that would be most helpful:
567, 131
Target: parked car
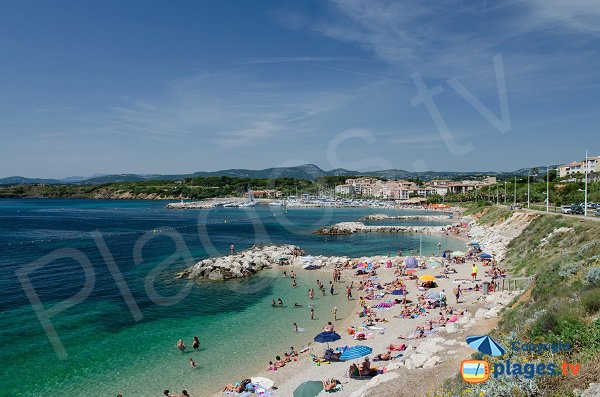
598, 212
577, 210
565, 209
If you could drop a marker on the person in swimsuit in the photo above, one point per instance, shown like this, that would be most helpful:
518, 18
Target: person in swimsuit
180, 345
192, 363
279, 302
295, 327
196, 343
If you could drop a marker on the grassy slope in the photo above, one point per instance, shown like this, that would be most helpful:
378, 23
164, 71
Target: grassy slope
561, 306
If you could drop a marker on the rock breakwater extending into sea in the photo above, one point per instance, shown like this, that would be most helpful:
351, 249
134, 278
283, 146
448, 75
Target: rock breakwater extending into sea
343, 228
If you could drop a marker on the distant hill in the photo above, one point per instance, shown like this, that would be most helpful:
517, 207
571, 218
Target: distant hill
306, 172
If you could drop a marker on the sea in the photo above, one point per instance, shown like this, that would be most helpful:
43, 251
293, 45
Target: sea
91, 306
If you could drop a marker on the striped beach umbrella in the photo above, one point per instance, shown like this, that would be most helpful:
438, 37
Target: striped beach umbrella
486, 345
354, 352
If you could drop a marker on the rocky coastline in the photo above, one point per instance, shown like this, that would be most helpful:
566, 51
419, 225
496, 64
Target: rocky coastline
345, 228
385, 217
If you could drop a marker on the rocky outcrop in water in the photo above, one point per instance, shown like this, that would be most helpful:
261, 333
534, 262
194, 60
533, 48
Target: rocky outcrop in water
385, 217
242, 264
344, 228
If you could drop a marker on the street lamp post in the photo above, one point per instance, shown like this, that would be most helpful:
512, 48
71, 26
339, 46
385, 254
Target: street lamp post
528, 191
548, 189
586, 184
515, 195
505, 192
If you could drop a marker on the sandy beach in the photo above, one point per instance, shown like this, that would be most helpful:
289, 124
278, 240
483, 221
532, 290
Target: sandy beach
442, 349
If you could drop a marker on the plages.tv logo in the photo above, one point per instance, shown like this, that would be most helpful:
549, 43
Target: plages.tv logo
478, 371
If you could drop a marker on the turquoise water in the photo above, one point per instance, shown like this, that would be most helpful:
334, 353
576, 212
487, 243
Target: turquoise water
116, 345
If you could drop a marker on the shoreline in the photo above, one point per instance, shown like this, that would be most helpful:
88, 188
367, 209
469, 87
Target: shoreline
476, 306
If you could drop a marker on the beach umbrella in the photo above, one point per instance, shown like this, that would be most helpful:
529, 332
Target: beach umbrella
355, 352
486, 345
457, 253
427, 277
309, 389
265, 383
474, 243
411, 262
326, 337
433, 264
486, 256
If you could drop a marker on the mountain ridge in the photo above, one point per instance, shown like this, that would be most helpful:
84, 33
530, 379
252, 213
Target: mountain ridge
305, 171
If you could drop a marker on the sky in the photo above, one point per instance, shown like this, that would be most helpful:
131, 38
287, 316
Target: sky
170, 87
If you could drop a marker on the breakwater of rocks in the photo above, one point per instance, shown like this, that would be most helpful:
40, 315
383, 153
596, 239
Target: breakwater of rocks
344, 228
385, 217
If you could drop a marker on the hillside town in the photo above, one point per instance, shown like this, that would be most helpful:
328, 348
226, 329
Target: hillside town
406, 190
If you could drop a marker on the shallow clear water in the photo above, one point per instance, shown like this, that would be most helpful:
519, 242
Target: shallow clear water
115, 345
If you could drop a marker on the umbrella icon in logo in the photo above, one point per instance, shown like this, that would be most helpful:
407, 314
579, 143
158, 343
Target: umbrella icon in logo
486, 345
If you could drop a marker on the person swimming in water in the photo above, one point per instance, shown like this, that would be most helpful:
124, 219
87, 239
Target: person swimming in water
192, 363
196, 343
273, 303
297, 305
295, 327
279, 302
180, 345
294, 283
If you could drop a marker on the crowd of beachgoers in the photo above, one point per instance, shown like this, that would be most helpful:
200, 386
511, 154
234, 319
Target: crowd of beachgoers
423, 295
399, 301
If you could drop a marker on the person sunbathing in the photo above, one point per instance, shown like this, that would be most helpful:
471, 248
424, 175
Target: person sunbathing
272, 367
383, 356
393, 347
353, 371
279, 363
330, 384
237, 388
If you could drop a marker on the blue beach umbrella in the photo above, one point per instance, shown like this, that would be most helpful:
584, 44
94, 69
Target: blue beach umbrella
354, 352
411, 262
486, 256
326, 337
486, 345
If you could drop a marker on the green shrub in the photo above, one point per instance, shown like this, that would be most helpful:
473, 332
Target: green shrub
590, 300
593, 276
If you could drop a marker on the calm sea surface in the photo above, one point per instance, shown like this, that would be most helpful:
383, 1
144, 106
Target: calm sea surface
119, 259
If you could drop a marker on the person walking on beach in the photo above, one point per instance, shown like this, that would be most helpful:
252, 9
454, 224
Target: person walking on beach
474, 271
457, 292
331, 287
334, 313
312, 313
349, 293
196, 343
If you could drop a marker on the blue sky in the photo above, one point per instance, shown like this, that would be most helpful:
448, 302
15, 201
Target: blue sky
174, 87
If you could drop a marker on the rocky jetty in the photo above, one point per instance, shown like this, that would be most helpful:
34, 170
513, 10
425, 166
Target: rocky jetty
385, 217
242, 264
343, 228
204, 204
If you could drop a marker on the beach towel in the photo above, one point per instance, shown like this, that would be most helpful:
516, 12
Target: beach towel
363, 336
453, 318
